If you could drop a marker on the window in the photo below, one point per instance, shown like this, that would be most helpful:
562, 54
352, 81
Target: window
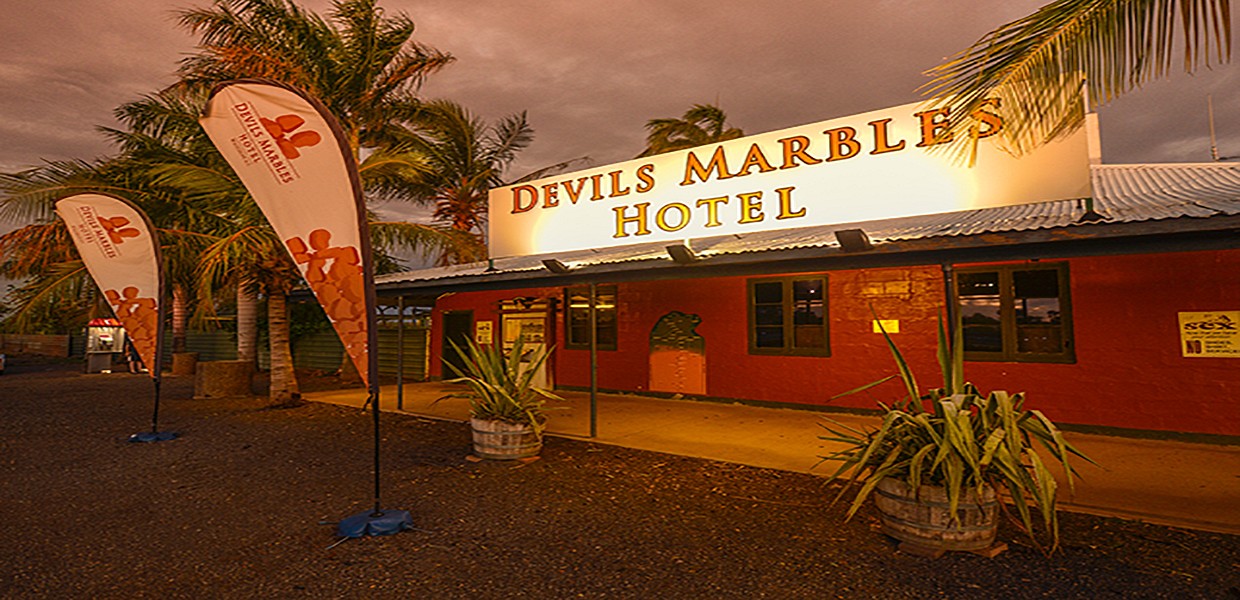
577, 336
1017, 313
788, 315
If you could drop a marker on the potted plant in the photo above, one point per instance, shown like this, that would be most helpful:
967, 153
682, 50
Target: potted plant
507, 412
940, 461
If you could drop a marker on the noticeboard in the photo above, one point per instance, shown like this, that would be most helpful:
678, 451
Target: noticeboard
1210, 334
483, 333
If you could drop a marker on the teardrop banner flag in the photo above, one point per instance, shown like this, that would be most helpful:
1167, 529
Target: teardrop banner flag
290, 154
117, 244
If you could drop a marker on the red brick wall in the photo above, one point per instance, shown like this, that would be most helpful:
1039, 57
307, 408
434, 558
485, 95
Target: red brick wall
1128, 373
1129, 370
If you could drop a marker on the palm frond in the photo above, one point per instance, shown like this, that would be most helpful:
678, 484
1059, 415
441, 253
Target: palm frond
555, 169
31, 194
62, 294
1042, 66
416, 237
700, 125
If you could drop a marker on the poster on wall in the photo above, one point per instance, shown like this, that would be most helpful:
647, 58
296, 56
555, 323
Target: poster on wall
484, 333
1213, 334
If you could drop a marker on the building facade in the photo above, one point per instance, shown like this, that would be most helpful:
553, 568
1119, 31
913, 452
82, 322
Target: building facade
1092, 341
765, 270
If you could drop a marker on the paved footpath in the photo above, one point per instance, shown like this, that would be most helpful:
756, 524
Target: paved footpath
1195, 486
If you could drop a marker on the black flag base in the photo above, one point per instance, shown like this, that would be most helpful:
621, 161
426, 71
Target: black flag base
375, 522
153, 436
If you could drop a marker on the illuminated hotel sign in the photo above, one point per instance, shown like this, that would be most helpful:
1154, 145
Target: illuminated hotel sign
858, 168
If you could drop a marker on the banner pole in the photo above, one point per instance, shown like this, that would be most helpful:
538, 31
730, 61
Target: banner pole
157, 369
129, 275
372, 323
593, 360
303, 188
374, 395
400, 352
155, 415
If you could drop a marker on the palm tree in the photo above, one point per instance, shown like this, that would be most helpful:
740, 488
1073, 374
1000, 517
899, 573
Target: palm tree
27, 197
244, 254
363, 65
700, 125
213, 234
1040, 66
366, 70
161, 131
42, 252
465, 158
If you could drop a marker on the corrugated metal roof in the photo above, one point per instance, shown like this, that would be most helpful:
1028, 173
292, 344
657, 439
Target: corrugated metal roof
1122, 194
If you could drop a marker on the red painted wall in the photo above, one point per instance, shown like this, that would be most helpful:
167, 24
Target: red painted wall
1128, 373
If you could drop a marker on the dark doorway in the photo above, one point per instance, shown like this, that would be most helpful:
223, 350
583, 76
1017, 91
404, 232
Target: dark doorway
456, 330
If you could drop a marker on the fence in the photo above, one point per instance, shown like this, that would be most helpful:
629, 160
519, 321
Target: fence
47, 345
321, 350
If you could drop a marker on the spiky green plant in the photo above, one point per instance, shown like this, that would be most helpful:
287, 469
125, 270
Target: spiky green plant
501, 386
965, 440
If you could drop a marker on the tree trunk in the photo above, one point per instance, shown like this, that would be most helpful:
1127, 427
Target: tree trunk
179, 302
247, 326
283, 390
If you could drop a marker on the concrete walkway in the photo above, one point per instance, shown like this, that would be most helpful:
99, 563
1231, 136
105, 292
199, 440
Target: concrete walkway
1195, 486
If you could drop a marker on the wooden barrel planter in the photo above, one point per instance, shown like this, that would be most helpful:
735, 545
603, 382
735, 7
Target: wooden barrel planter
924, 518
500, 440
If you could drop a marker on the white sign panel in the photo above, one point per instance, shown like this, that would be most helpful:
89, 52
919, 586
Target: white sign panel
863, 167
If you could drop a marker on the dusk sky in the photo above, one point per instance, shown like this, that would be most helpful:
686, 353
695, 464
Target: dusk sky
589, 73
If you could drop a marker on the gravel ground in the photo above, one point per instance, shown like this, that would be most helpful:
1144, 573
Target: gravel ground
234, 509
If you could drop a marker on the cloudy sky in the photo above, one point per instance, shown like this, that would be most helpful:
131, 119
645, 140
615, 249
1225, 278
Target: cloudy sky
590, 73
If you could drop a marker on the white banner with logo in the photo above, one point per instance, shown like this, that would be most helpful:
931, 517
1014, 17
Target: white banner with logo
288, 151
116, 242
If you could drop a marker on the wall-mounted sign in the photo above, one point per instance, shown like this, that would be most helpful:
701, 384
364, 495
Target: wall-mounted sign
1210, 334
888, 325
869, 166
483, 335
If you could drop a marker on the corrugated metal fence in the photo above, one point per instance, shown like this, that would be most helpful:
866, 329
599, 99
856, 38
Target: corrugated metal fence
47, 345
320, 350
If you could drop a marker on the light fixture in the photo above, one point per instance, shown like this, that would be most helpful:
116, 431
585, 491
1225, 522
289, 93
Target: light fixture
554, 265
853, 240
682, 254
